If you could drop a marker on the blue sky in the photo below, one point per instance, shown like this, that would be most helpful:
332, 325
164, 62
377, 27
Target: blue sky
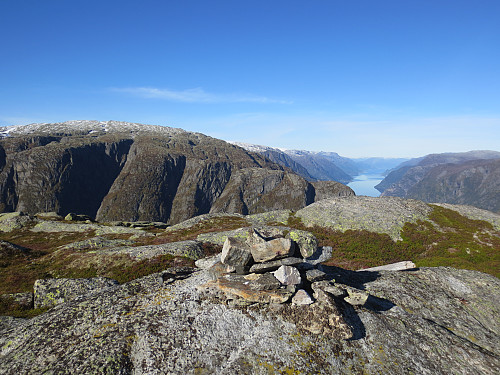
358, 77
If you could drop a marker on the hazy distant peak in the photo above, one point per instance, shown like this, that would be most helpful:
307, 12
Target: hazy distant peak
86, 127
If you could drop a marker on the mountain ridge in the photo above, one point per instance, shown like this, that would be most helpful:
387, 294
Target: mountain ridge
459, 178
125, 171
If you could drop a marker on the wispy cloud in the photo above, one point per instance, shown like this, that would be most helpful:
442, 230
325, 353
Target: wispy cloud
196, 95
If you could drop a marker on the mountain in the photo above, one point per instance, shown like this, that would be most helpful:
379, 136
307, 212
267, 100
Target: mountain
475, 183
313, 166
123, 171
348, 165
465, 178
277, 156
321, 167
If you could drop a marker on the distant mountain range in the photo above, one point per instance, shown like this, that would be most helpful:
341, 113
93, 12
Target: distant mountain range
122, 171
471, 178
323, 166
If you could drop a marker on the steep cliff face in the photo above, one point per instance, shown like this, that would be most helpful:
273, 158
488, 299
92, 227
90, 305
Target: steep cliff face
475, 183
253, 190
461, 178
121, 171
60, 176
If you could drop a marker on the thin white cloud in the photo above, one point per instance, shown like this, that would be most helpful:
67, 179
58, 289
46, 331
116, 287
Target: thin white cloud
196, 95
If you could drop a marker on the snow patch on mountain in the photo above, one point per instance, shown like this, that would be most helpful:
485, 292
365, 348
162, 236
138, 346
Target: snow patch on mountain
86, 127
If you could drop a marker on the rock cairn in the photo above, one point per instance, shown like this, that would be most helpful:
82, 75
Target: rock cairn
267, 269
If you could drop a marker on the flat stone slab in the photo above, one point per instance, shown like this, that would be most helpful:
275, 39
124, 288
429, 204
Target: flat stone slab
275, 264
399, 266
315, 275
234, 288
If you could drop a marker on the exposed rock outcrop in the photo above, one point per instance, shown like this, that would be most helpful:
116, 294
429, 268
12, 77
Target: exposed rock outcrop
381, 215
426, 321
51, 292
113, 171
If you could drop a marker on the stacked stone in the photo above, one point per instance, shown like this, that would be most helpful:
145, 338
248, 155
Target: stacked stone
267, 270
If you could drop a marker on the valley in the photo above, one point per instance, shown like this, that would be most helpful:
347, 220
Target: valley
157, 248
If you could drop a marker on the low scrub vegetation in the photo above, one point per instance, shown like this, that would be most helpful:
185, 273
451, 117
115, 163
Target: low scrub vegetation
449, 239
446, 239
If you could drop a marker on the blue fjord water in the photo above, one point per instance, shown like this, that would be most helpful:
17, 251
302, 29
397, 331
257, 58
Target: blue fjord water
364, 184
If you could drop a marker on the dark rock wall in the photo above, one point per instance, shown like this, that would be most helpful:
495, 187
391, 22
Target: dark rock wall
55, 177
150, 177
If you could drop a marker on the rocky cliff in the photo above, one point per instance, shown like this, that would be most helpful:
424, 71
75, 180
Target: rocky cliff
461, 178
122, 171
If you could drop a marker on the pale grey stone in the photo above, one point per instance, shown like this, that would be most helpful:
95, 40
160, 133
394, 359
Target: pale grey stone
302, 298
275, 264
189, 249
206, 263
288, 275
399, 266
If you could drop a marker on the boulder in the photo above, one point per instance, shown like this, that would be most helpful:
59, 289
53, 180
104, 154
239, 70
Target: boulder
274, 249
288, 275
75, 217
188, 249
48, 216
306, 242
10, 221
236, 253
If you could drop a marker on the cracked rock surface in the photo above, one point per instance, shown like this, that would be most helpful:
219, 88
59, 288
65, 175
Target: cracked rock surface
424, 321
